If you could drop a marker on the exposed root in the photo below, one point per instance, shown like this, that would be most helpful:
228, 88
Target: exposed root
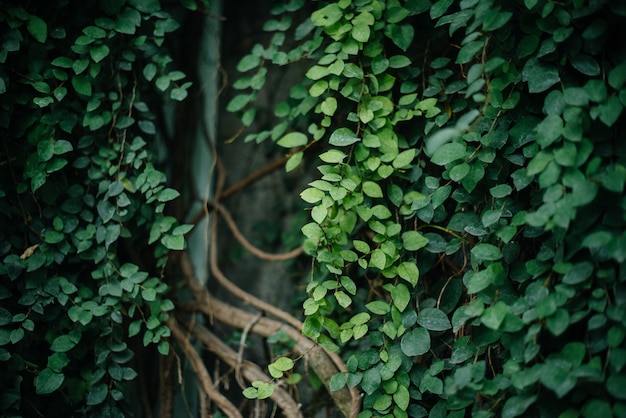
201, 372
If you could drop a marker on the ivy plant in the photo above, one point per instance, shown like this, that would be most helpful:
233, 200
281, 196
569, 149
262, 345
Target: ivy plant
468, 215
84, 235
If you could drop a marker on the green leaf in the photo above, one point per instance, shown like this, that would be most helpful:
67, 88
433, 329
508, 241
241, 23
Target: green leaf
494, 316
45, 149
37, 28
237, 103
378, 259
361, 32
82, 85
409, 272
578, 273
62, 146
469, 51
16, 335
439, 8
167, 194
179, 94
343, 137
433, 319
337, 381
610, 111
415, 342
317, 72
292, 140
250, 393
149, 294
99, 52
343, 299
615, 385
404, 159
413, 240
97, 394
549, 130
62, 62
382, 402
448, 153
586, 64
401, 296
557, 378
327, 16
174, 242
372, 189
134, 328
500, 191
283, 364
312, 195
515, 406
378, 307
63, 343
294, 161
617, 76
486, 252
48, 381
332, 156
477, 281
401, 35
265, 390
539, 76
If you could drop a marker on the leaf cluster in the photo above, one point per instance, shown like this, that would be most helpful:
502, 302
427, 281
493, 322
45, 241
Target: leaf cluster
84, 236
468, 219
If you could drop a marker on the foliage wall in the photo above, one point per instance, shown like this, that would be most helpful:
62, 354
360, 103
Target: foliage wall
467, 220
84, 237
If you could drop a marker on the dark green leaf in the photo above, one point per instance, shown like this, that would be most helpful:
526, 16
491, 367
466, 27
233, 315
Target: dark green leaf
585, 64
615, 385
37, 28
515, 406
99, 52
63, 343
486, 252
578, 273
97, 394
439, 8
539, 76
433, 319
449, 152
401, 35
48, 381
415, 342
557, 378
82, 85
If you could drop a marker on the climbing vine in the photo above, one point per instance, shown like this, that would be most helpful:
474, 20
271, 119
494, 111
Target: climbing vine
81, 200
467, 220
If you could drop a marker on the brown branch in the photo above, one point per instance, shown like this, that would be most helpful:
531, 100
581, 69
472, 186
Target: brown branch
274, 165
201, 372
241, 294
247, 245
250, 371
325, 363
232, 316
348, 401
